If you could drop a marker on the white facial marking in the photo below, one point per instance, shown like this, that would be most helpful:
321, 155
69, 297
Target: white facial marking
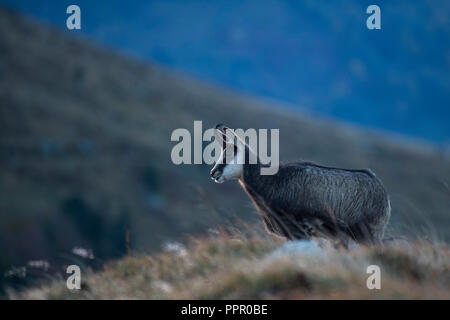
234, 169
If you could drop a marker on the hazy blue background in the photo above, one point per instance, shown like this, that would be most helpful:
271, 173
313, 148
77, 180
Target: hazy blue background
313, 54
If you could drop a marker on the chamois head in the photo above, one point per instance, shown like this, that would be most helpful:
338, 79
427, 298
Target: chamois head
230, 164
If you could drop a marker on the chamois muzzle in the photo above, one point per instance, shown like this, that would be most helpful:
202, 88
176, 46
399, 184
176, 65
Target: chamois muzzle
216, 174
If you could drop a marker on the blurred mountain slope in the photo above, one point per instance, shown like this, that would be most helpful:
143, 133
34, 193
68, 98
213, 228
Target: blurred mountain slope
85, 152
315, 54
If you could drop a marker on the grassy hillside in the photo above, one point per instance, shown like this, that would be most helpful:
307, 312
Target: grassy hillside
253, 266
85, 152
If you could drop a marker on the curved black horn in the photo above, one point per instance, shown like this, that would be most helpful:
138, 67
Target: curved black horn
221, 127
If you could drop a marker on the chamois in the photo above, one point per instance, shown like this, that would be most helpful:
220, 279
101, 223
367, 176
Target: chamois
303, 199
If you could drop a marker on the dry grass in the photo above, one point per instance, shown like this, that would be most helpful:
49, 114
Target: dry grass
251, 265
